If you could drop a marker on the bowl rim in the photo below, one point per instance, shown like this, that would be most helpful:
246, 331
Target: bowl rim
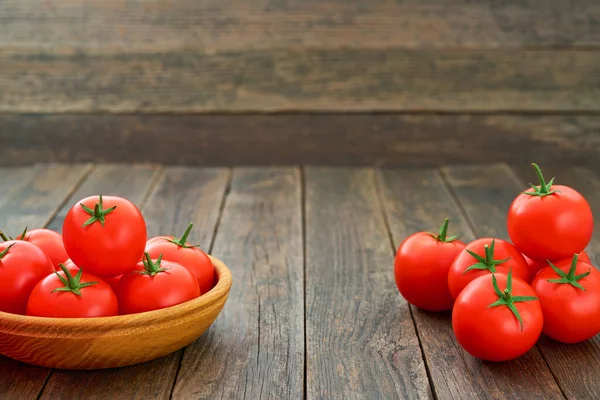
52, 327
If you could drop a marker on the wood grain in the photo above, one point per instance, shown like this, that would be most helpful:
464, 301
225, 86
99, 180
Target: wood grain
288, 139
360, 336
417, 200
294, 80
137, 26
31, 195
256, 348
582, 357
181, 195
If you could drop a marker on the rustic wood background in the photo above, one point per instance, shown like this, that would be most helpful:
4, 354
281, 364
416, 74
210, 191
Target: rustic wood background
224, 82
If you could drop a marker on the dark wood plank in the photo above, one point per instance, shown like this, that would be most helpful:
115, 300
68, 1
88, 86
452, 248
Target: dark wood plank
256, 347
180, 196
121, 25
583, 357
301, 80
360, 337
288, 139
35, 195
417, 200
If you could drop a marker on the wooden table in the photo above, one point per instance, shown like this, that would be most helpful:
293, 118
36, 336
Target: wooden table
314, 311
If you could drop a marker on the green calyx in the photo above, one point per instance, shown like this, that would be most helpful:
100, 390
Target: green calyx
98, 214
443, 232
72, 283
544, 188
507, 299
23, 235
5, 251
488, 262
182, 241
569, 278
4, 237
152, 268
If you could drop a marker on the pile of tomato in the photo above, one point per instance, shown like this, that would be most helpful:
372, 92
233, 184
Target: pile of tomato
102, 265
504, 294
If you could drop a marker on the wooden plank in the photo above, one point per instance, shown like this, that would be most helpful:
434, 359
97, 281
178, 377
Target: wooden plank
180, 196
121, 25
31, 202
360, 337
292, 139
256, 347
301, 80
417, 200
583, 357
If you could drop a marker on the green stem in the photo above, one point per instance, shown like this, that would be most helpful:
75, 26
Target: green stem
3, 236
570, 277
538, 172
98, 214
442, 235
505, 298
71, 283
5, 251
545, 188
151, 268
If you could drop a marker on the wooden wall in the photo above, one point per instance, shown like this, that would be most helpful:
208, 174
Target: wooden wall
290, 81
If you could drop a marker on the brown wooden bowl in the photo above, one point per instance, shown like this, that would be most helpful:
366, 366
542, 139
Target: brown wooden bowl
108, 342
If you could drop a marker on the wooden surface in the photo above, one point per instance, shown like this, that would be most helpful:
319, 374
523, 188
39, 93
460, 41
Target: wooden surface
314, 311
292, 139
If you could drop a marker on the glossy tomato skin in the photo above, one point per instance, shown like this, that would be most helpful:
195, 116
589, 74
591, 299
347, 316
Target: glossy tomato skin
494, 333
140, 293
97, 300
21, 268
192, 258
571, 315
551, 227
50, 242
421, 271
536, 266
109, 250
457, 279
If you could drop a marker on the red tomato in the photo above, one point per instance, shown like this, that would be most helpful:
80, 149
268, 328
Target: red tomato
22, 266
569, 292
550, 221
181, 252
49, 241
482, 257
535, 266
106, 241
421, 268
62, 295
156, 285
494, 324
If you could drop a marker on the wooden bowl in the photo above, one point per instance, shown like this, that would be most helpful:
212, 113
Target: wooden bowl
108, 342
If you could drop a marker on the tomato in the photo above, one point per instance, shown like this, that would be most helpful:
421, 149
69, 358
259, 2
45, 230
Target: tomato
62, 295
421, 268
22, 266
49, 241
497, 325
569, 292
485, 256
181, 252
106, 241
155, 285
550, 221
535, 266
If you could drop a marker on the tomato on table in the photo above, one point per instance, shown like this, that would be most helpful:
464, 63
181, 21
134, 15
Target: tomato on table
536, 266
494, 324
107, 242
482, 257
62, 295
22, 266
191, 257
569, 293
155, 285
421, 268
49, 241
550, 222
